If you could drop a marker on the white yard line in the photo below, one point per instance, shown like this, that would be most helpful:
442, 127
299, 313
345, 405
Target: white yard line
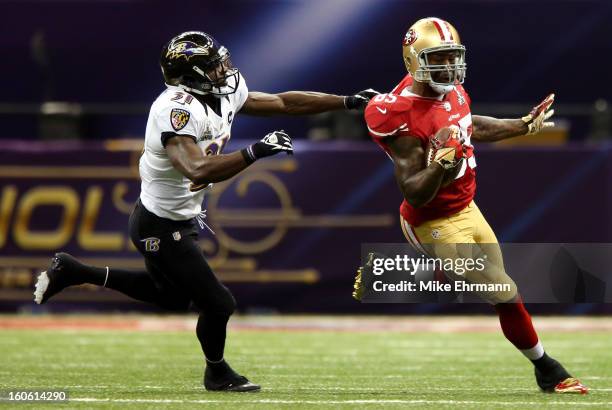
369, 401
387, 390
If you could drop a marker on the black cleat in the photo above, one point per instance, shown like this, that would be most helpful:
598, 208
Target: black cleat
548, 379
60, 274
238, 384
227, 380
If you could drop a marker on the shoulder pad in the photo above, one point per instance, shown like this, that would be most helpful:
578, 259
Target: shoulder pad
386, 115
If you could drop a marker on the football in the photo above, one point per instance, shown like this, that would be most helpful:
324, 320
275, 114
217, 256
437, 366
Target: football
447, 138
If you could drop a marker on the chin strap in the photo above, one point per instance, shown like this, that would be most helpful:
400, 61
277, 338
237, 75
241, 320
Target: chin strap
191, 90
442, 89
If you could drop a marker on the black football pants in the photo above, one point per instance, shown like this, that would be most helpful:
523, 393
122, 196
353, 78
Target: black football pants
176, 275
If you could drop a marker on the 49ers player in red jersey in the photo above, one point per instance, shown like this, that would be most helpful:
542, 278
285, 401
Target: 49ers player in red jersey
425, 125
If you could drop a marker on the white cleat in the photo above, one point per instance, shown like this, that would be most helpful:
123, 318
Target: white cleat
42, 283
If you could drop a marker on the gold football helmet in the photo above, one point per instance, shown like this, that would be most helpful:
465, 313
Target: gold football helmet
431, 35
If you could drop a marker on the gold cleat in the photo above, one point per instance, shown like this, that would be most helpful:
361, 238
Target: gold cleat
358, 285
571, 385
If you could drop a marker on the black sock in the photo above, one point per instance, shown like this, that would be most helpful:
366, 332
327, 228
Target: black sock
211, 331
122, 280
136, 284
544, 363
80, 273
220, 368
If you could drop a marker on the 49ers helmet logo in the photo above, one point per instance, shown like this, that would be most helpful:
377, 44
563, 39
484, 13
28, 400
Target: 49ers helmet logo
410, 37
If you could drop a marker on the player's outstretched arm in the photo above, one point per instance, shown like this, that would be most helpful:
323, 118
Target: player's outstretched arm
201, 169
418, 185
489, 129
303, 102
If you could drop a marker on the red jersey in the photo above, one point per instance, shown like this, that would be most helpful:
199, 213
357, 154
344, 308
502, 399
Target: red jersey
402, 114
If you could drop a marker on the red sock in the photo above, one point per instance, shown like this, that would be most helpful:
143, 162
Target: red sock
518, 329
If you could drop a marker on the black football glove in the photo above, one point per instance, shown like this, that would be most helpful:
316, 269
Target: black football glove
272, 144
359, 100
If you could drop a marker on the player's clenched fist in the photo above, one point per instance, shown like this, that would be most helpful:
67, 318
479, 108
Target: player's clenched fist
446, 148
272, 144
359, 100
536, 119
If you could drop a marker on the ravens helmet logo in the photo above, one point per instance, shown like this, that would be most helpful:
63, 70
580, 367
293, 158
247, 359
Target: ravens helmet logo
187, 49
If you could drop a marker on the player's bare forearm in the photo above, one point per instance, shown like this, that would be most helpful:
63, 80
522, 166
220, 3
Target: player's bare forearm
217, 168
201, 169
291, 103
420, 188
418, 185
489, 129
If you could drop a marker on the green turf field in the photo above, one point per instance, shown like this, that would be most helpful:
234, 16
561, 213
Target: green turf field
300, 369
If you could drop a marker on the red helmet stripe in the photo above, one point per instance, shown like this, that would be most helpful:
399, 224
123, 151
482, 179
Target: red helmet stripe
443, 29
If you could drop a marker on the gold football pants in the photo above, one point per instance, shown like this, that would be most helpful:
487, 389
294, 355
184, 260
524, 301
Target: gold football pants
465, 234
